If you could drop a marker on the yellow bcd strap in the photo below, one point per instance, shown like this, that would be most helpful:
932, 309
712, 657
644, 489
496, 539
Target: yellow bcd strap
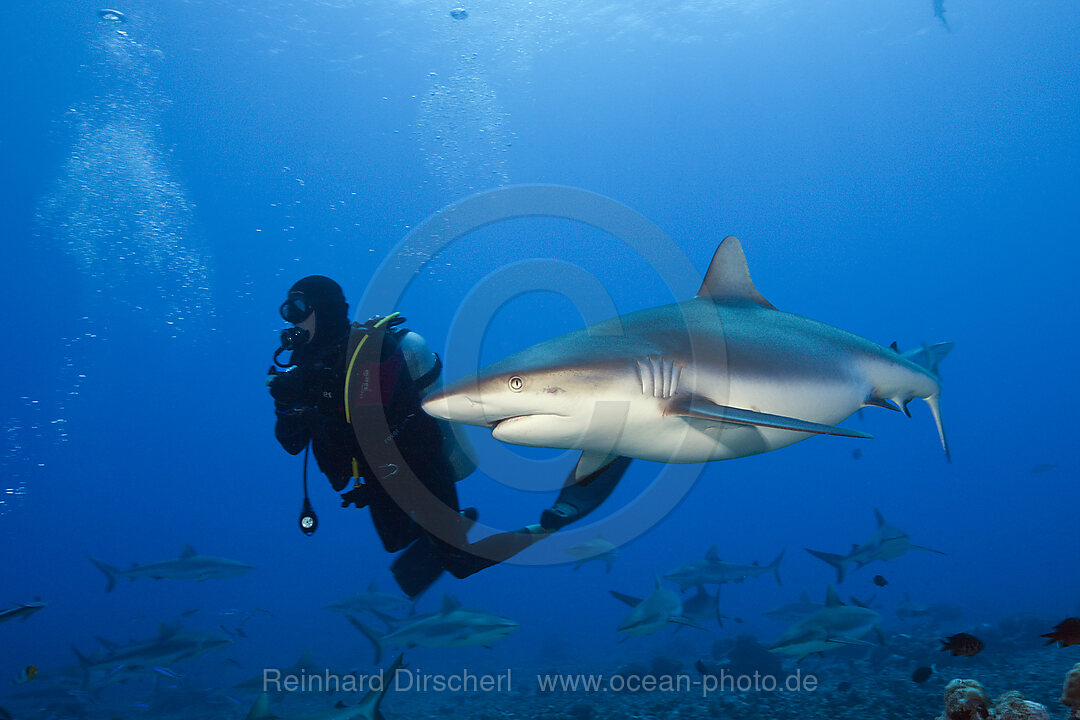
349, 370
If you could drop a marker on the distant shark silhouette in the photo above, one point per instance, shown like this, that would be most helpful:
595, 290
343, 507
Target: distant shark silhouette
188, 566
723, 375
887, 542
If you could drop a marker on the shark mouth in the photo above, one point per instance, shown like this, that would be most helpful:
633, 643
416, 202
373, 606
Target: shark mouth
494, 424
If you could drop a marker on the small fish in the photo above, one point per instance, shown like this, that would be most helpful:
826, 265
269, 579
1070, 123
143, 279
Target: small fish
230, 611
856, 453
166, 672
139, 705
25, 675
112, 15
189, 613
922, 674
1043, 468
880, 581
1066, 632
964, 644
844, 686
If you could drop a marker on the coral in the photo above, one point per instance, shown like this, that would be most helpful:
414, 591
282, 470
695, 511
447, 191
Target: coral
1070, 696
1013, 706
966, 700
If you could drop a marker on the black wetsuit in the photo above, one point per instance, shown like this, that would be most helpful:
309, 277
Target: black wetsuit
318, 414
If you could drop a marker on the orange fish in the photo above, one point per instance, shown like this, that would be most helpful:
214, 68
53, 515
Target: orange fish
962, 644
1066, 632
26, 675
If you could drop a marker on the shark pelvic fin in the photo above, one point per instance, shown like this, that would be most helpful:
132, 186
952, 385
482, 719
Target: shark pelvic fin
698, 407
590, 463
882, 403
728, 277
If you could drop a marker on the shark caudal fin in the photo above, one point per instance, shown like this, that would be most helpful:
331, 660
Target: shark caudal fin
108, 570
370, 634
774, 566
837, 561
929, 358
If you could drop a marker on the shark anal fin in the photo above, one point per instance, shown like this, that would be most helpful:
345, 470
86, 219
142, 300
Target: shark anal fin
698, 407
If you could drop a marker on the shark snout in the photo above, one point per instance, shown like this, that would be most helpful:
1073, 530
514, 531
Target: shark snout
455, 406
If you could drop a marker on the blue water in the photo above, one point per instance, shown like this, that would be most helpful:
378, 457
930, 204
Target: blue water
168, 178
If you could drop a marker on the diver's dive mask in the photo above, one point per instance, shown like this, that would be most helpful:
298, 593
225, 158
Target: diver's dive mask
295, 309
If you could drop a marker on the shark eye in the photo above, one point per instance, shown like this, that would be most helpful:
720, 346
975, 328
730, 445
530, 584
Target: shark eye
516, 383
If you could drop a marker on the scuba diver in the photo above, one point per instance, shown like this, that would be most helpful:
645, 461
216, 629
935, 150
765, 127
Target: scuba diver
352, 392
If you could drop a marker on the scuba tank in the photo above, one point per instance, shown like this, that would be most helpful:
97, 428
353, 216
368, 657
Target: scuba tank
425, 370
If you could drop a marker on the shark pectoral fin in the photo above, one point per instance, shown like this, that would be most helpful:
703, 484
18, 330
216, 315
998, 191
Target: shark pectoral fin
839, 640
922, 547
698, 407
628, 599
590, 463
680, 620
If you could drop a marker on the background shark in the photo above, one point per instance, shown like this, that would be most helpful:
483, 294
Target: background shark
721, 376
451, 626
887, 542
653, 613
714, 571
833, 626
188, 566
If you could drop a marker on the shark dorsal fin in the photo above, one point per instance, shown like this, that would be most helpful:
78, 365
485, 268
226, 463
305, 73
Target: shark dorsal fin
340, 705
372, 587
305, 660
832, 599
260, 710
187, 551
656, 578
880, 518
713, 555
449, 604
728, 277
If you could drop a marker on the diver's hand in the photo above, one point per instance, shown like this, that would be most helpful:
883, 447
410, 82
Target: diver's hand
289, 388
359, 496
